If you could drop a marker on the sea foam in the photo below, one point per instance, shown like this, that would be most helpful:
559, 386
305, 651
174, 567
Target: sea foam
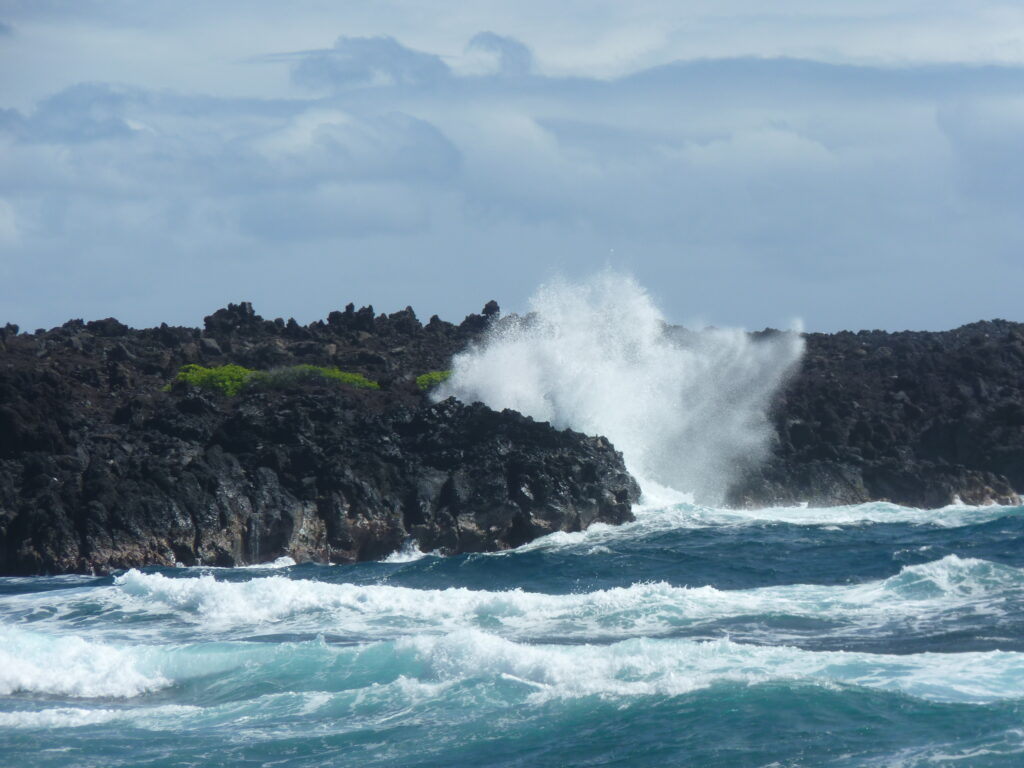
422, 666
167, 716
670, 667
32, 662
652, 519
921, 594
687, 409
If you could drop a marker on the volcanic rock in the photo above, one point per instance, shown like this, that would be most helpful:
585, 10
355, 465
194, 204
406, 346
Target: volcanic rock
105, 466
917, 418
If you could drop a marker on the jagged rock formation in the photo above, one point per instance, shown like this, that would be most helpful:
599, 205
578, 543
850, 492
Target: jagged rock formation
918, 418
100, 468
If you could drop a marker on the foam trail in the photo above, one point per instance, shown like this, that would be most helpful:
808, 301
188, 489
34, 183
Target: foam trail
872, 512
281, 562
169, 716
431, 663
645, 667
920, 595
687, 409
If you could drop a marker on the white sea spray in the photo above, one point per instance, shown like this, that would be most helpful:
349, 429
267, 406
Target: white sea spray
688, 410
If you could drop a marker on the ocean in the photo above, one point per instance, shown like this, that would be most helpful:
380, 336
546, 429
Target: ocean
870, 635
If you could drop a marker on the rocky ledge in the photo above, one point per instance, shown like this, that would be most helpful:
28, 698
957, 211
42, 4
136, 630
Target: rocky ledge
917, 418
106, 463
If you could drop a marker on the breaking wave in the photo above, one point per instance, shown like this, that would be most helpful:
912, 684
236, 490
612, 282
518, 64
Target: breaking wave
422, 665
687, 409
917, 594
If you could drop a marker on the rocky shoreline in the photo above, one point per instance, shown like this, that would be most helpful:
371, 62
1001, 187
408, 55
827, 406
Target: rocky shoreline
106, 462
101, 468
918, 418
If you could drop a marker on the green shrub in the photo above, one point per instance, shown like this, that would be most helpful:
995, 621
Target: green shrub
226, 379
332, 373
432, 379
232, 379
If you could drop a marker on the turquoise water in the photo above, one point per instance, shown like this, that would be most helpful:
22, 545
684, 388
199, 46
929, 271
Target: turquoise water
872, 635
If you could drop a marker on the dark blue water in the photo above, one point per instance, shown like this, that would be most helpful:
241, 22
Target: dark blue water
860, 636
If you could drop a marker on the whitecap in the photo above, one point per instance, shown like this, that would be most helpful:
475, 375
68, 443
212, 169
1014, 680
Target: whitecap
31, 662
917, 594
409, 553
659, 667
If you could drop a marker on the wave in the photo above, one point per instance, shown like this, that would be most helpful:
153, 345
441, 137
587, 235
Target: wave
76, 667
951, 516
273, 565
687, 409
409, 553
919, 594
487, 722
656, 517
425, 666
69, 666
645, 667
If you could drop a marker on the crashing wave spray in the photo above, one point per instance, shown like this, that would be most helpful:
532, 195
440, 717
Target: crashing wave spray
687, 409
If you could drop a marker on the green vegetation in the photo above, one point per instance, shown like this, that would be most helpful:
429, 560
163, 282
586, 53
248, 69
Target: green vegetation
285, 376
432, 379
226, 379
232, 379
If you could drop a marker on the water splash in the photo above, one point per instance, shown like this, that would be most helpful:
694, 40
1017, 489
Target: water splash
687, 409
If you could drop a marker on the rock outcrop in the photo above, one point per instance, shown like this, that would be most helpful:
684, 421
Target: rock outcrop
918, 418
105, 463
101, 468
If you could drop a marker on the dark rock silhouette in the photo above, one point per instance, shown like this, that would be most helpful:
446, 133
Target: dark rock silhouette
102, 469
918, 418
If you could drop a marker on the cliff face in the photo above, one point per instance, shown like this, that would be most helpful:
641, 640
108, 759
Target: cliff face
918, 418
101, 468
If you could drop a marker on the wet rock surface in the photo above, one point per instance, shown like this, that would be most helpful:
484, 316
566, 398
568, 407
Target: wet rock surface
917, 418
100, 468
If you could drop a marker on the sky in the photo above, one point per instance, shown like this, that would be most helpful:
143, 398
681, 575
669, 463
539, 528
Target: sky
849, 164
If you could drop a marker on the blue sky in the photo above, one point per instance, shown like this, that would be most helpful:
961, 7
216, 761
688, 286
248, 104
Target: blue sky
856, 165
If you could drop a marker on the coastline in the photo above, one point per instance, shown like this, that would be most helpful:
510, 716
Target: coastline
107, 463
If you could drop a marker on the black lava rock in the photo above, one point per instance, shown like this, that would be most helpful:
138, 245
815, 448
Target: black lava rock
918, 418
101, 468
